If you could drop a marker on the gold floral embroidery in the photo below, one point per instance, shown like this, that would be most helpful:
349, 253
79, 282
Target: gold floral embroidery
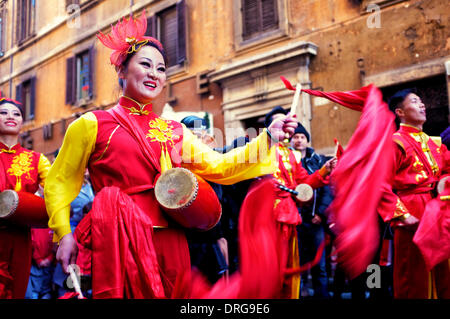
284, 152
21, 164
423, 138
400, 209
421, 176
418, 166
161, 131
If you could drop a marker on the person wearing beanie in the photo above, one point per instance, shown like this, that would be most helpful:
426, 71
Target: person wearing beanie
311, 232
420, 161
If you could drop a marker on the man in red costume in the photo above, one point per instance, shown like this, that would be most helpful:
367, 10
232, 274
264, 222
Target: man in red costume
290, 173
20, 170
418, 165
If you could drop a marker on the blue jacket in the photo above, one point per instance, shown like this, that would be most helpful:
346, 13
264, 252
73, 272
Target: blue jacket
323, 195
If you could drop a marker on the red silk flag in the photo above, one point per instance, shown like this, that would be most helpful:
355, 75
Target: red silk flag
260, 275
359, 174
433, 234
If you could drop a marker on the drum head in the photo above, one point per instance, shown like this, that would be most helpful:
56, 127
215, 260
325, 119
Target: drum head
8, 203
305, 192
176, 188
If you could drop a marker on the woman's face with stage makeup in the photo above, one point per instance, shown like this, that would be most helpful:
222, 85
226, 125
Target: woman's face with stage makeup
145, 75
10, 119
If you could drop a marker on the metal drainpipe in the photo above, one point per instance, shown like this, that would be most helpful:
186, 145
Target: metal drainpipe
12, 55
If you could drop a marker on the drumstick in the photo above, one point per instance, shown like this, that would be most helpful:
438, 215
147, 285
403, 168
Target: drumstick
76, 283
295, 101
294, 105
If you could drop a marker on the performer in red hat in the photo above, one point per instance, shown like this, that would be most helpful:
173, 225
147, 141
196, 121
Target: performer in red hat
21, 170
419, 163
137, 252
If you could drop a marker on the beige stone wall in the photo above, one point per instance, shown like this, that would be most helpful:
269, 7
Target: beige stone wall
412, 34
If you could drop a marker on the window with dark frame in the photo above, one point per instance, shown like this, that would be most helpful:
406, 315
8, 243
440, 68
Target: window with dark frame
79, 77
169, 27
26, 94
25, 21
258, 17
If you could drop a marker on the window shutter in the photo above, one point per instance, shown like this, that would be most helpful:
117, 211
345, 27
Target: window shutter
32, 97
181, 26
151, 27
18, 20
19, 96
91, 71
169, 34
269, 14
250, 18
70, 81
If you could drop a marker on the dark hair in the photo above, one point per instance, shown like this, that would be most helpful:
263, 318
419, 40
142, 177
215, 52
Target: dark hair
19, 106
275, 110
397, 99
154, 45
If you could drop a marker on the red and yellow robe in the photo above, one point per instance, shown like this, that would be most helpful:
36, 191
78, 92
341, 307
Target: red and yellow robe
419, 163
21, 170
290, 173
123, 174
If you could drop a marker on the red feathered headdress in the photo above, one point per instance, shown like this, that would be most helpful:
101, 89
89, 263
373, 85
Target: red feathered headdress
126, 37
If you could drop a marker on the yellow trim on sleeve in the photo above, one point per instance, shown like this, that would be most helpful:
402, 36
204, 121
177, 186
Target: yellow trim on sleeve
66, 175
245, 162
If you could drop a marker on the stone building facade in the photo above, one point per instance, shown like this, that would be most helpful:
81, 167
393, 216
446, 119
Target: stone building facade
226, 58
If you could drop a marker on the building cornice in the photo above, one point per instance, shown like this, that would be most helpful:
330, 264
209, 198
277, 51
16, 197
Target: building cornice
261, 60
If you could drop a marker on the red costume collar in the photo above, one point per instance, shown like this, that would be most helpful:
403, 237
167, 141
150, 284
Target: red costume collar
135, 107
6, 149
409, 128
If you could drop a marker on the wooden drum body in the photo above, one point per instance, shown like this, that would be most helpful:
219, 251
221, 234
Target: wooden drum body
188, 199
24, 209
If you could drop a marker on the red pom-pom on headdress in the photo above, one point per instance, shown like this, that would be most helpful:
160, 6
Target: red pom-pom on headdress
126, 37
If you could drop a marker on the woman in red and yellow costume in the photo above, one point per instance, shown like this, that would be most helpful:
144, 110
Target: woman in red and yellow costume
22, 170
136, 251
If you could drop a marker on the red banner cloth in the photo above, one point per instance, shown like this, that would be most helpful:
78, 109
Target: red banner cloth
359, 175
260, 275
433, 234
122, 248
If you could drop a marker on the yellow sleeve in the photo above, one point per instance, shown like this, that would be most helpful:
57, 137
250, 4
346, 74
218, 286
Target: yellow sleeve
66, 175
43, 169
246, 162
